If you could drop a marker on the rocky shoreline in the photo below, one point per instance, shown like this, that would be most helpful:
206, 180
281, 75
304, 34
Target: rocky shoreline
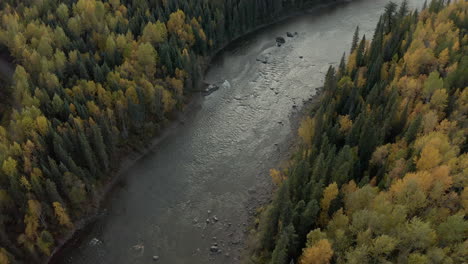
262, 195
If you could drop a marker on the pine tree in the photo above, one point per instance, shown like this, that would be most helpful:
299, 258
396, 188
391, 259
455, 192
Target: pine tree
100, 148
342, 67
354, 44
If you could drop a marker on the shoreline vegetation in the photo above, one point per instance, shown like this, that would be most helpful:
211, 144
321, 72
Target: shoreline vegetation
93, 81
382, 172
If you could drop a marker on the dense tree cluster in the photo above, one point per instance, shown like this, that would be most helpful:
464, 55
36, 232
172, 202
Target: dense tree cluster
92, 78
382, 175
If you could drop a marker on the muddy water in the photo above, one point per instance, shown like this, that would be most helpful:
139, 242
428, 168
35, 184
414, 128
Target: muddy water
217, 158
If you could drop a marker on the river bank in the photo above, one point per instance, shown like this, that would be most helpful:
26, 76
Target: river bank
130, 158
264, 194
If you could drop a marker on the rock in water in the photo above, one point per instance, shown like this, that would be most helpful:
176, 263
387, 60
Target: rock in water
280, 40
214, 249
95, 242
226, 84
155, 258
289, 34
263, 60
139, 247
211, 88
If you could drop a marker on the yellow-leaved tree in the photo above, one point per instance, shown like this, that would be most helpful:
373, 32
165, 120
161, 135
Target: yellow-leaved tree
329, 194
306, 130
320, 253
62, 215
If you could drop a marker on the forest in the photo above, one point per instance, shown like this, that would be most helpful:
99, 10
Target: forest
381, 174
92, 81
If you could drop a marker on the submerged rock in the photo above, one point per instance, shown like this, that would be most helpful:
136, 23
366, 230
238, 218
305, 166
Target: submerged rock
139, 247
263, 60
289, 34
280, 40
155, 258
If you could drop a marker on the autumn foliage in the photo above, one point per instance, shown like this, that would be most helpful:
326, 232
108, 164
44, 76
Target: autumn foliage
382, 175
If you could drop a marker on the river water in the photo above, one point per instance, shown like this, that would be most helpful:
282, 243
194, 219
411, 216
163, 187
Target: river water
217, 158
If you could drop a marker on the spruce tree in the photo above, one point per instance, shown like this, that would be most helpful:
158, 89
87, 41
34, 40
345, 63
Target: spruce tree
355, 40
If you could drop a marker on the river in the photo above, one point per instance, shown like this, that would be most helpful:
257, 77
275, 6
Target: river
217, 157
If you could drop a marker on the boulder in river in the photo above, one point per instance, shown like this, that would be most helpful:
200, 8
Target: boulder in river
226, 84
95, 242
210, 88
155, 258
289, 34
214, 249
280, 40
